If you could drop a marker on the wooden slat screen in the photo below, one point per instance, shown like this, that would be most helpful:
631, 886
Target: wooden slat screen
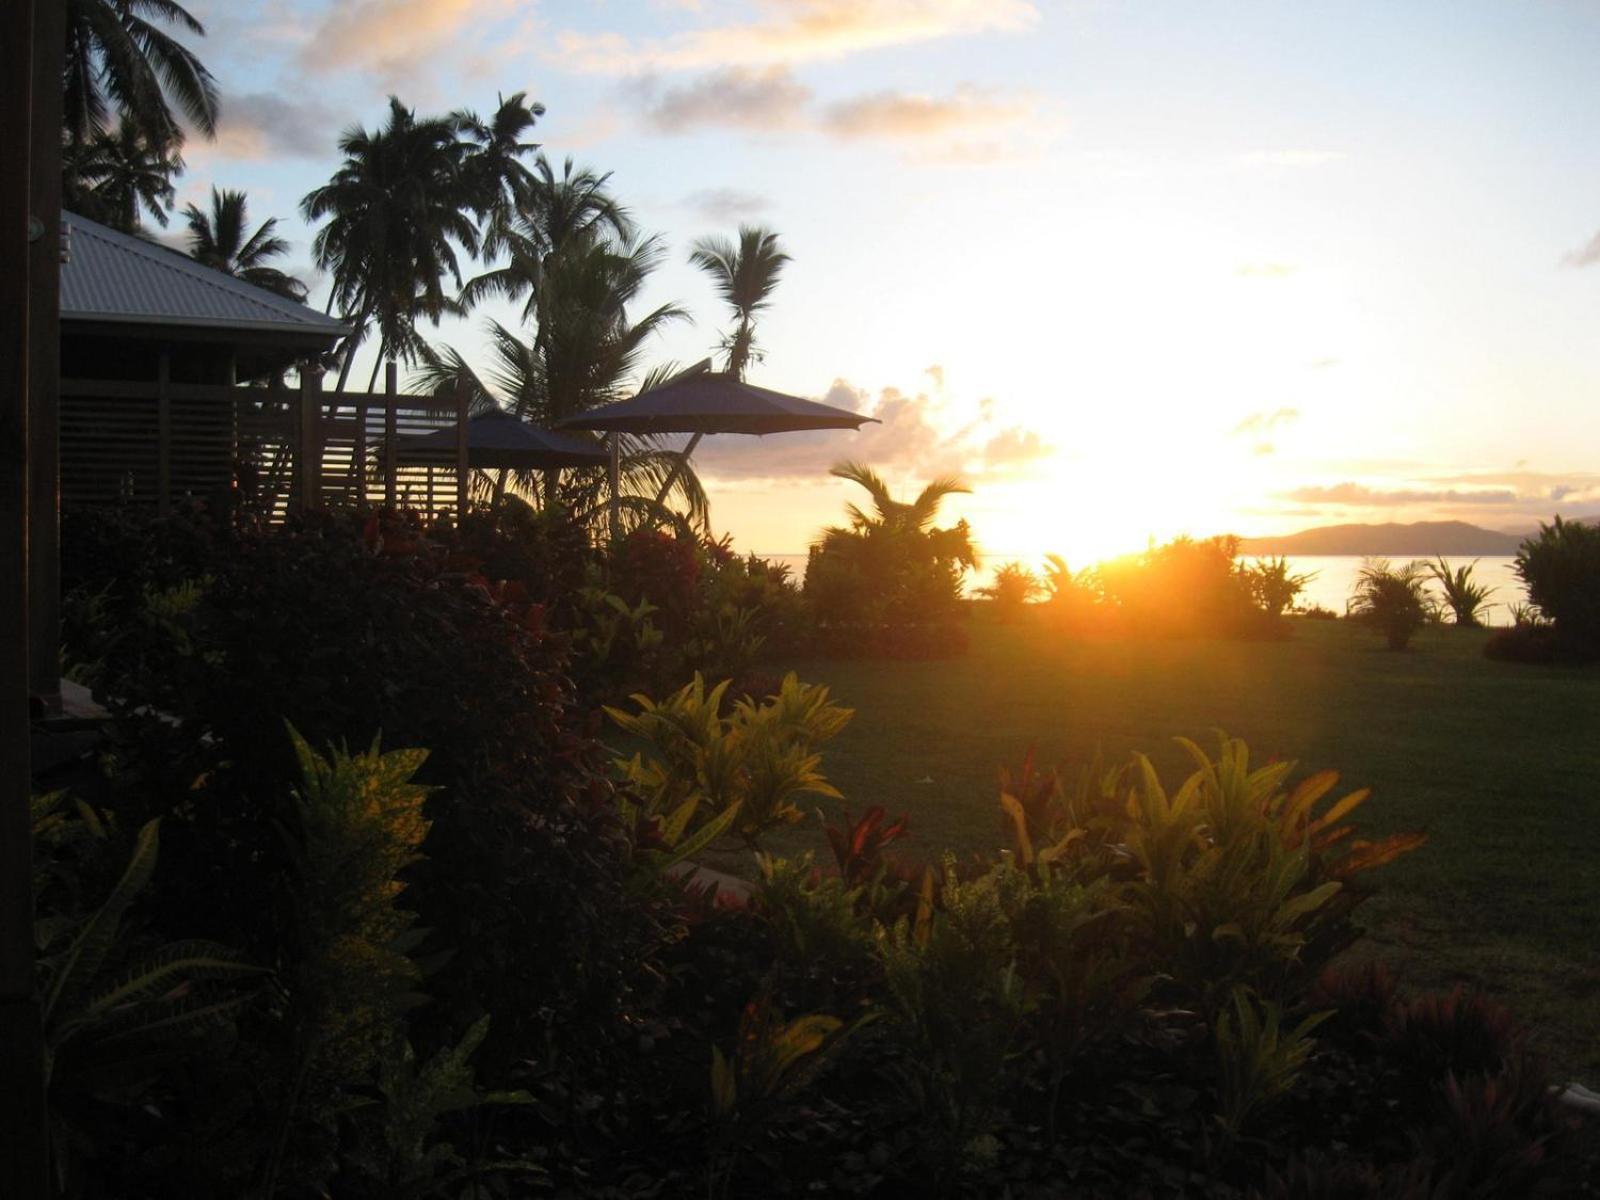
151, 444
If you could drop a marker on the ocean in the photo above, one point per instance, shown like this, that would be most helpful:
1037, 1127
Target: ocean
1333, 579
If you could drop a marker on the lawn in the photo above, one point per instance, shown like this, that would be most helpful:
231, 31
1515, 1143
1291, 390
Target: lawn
1499, 762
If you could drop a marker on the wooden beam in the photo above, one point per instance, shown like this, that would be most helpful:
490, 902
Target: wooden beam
163, 434
463, 457
44, 359
24, 1165
310, 493
391, 438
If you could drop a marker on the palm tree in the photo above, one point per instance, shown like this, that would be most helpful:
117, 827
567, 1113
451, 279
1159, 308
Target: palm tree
745, 275
218, 240
494, 175
896, 516
551, 211
584, 351
120, 63
1463, 597
398, 209
117, 175
1394, 600
891, 568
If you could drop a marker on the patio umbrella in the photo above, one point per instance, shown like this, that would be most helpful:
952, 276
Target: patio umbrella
502, 440
701, 401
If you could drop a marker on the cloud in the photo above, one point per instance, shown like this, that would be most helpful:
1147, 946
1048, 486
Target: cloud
1015, 446
890, 114
771, 99
742, 99
1359, 495
265, 125
398, 39
912, 437
726, 205
1265, 422
1586, 255
1289, 158
792, 31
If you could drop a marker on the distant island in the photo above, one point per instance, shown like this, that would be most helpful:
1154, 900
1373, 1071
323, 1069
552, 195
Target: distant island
1416, 540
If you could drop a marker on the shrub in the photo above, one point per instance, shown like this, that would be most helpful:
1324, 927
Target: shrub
1073, 600
1316, 612
1271, 585
1561, 570
889, 584
1185, 588
1464, 598
346, 628
956, 1002
745, 768
1013, 589
1393, 600
1258, 1058
1530, 642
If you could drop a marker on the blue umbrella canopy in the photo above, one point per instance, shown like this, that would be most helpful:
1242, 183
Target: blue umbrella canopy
713, 402
503, 440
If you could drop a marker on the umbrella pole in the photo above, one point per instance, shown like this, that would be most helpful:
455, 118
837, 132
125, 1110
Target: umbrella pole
683, 457
614, 477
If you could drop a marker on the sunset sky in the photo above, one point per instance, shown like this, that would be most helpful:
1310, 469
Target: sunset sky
1130, 267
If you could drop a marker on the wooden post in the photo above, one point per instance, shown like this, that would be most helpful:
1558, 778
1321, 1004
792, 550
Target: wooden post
24, 1170
358, 455
310, 439
164, 433
391, 433
463, 460
44, 360
614, 478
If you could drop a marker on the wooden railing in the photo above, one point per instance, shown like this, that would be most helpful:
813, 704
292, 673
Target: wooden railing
270, 449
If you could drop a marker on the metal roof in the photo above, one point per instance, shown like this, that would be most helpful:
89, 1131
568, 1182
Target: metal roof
113, 278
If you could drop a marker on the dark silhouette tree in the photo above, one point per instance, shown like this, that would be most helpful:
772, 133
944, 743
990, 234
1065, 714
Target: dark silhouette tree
220, 240
119, 177
123, 68
745, 276
399, 215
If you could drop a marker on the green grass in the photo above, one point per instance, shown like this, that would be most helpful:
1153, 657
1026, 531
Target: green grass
1499, 762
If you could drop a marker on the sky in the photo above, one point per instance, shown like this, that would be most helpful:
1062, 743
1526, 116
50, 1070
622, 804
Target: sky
1130, 268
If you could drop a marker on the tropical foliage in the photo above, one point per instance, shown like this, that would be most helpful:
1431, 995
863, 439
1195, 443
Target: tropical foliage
123, 69
398, 223
1014, 587
1392, 599
220, 239
1561, 570
890, 582
1183, 588
745, 274
487, 976
1462, 596
119, 177
738, 766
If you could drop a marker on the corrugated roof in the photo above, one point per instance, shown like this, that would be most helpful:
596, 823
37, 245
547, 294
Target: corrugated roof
112, 277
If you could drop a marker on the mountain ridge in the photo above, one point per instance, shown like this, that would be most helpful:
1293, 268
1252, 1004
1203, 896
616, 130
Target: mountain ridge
1417, 538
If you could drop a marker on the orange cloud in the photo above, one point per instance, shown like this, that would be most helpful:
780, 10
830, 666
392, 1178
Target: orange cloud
795, 31
907, 115
395, 39
911, 437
